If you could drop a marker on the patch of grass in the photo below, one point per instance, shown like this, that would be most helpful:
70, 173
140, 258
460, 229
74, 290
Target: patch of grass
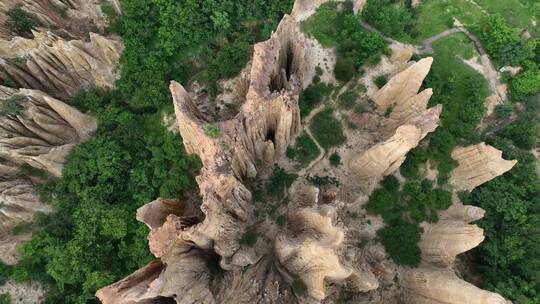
304, 151
313, 96
21, 22
503, 111
347, 100
13, 105
322, 25
327, 130
211, 131
335, 159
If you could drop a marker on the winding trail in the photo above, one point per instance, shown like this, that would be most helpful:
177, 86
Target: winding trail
305, 126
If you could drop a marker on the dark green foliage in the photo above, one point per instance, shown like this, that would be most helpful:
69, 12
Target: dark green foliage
327, 129
13, 105
26, 171
177, 40
211, 131
5, 298
524, 132
5, 273
347, 100
401, 243
93, 238
380, 81
391, 17
340, 28
502, 42
299, 287
526, 83
312, 96
503, 111
280, 181
323, 180
390, 183
21, 23
415, 157
344, 69
304, 151
22, 228
509, 257
249, 238
403, 210
335, 159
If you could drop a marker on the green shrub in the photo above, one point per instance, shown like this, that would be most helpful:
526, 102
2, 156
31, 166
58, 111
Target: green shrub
280, 181
526, 83
344, 70
304, 151
327, 129
249, 238
401, 243
13, 105
391, 17
380, 80
524, 132
21, 23
22, 228
503, 111
390, 183
335, 159
502, 42
317, 180
211, 131
5, 298
312, 96
347, 100
299, 287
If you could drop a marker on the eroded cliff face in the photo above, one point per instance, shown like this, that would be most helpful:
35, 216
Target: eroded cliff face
64, 53
38, 132
202, 255
71, 19
59, 67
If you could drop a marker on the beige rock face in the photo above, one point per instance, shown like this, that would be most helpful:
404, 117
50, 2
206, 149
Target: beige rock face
409, 120
312, 254
38, 132
441, 286
386, 157
452, 235
403, 86
58, 67
74, 18
477, 165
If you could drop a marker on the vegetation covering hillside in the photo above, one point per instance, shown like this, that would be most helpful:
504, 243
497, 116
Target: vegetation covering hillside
93, 238
508, 259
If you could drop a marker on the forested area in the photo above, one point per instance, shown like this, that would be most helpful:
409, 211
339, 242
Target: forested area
93, 238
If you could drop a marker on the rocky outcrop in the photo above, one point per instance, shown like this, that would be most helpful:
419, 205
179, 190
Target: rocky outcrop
311, 254
477, 165
403, 86
452, 235
59, 67
386, 157
409, 121
442, 286
71, 19
36, 131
